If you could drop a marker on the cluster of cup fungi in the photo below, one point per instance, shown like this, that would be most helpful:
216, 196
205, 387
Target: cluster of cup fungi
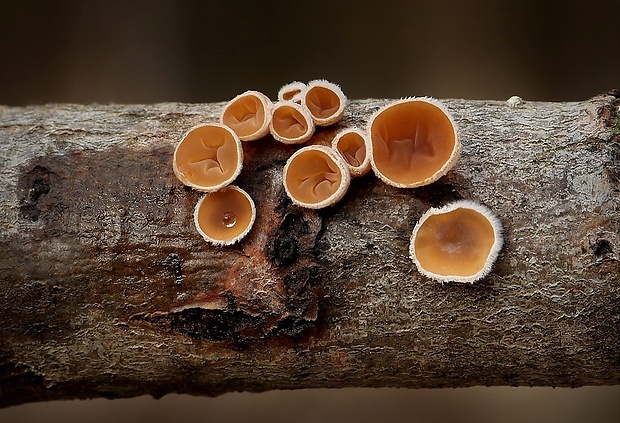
409, 143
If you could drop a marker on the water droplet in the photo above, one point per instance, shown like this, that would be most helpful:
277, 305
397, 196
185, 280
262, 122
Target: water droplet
229, 219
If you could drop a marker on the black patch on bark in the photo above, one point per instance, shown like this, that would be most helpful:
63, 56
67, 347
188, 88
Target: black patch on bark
283, 245
600, 248
33, 185
175, 263
438, 193
291, 326
212, 325
202, 324
283, 250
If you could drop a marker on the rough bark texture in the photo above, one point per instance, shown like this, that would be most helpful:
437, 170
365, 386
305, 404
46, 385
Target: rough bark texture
106, 289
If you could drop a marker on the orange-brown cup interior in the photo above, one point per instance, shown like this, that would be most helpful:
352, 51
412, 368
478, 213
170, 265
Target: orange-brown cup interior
289, 123
291, 91
207, 156
313, 177
289, 95
225, 215
412, 141
456, 243
322, 102
352, 147
246, 115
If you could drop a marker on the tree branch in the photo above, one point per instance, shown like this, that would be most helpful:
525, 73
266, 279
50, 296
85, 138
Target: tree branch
106, 288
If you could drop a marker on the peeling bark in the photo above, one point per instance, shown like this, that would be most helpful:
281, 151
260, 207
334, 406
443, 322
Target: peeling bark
106, 289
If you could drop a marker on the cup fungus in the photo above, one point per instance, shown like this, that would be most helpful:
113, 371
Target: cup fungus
291, 123
414, 142
291, 92
458, 242
315, 177
354, 146
208, 157
325, 101
248, 115
225, 216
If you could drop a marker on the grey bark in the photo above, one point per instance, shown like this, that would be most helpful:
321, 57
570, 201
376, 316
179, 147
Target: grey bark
106, 289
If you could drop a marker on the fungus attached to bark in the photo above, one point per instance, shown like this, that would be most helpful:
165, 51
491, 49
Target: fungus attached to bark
248, 115
414, 142
458, 242
291, 91
353, 145
208, 157
291, 123
325, 101
315, 177
225, 216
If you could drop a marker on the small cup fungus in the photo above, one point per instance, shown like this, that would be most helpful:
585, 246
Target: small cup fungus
325, 101
208, 157
414, 142
458, 242
354, 146
291, 123
248, 115
316, 177
225, 216
291, 91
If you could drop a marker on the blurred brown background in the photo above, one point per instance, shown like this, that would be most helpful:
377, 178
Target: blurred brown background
204, 51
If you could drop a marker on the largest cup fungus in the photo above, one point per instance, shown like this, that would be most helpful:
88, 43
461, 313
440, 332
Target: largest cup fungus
458, 242
325, 101
225, 216
414, 142
208, 157
315, 177
291, 123
249, 115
